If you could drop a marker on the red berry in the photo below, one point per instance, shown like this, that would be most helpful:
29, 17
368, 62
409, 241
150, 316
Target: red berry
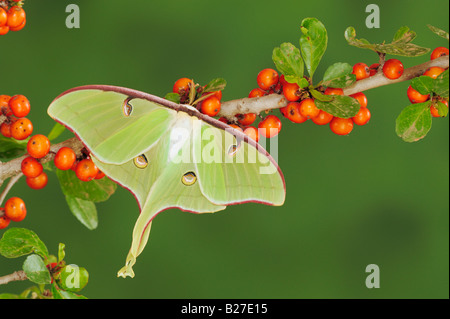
246, 119
373, 69
86, 170
361, 97
257, 93
334, 91
437, 53
323, 118
252, 132
15, 209
5, 129
361, 70
4, 221
182, 85
16, 16
267, 78
31, 167
292, 112
341, 126
210, 106
434, 72
393, 69
4, 30
19, 105
290, 92
21, 129
38, 146
38, 182
65, 158
415, 97
270, 126
362, 117
308, 108
3, 17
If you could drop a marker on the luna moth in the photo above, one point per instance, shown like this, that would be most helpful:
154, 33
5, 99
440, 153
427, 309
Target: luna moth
168, 155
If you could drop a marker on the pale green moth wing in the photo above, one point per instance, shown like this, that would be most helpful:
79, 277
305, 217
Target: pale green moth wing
192, 162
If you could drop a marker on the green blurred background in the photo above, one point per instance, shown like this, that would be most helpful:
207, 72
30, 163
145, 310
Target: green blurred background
351, 201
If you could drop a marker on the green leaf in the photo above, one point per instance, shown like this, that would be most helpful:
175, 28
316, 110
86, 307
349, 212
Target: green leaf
400, 46
61, 252
18, 242
442, 84
341, 106
59, 293
288, 60
424, 84
218, 84
36, 271
9, 296
321, 97
97, 190
439, 32
313, 43
174, 97
339, 75
301, 82
414, 122
56, 131
73, 278
85, 211
11, 148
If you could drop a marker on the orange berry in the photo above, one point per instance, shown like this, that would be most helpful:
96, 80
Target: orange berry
86, 170
38, 146
308, 108
267, 78
252, 132
290, 92
415, 97
323, 118
437, 53
333, 91
210, 106
3, 17
4, 30
361, 70
182, 85
4, 105
19, 105
246, 119
16, 16
373, 69
270, 126
5, 129
393, 69
257, 93
361, 97
31, 167
434, 72
292, 112
341, 126
99, 175
434, 111
20, 27
21, 129
15, 209
362, 117
38, 182
4, 221
65, 158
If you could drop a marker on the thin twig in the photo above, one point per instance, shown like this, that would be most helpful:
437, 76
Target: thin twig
15, 276
8, 187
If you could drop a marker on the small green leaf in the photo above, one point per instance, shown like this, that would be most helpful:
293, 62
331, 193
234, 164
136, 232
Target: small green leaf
218, 84
313, 43
36, 271
61, 252
339, 75
341, 106
405, 35
97, 190
439, 32
414, 122
85, 211
174, 97
288, 60
9, 296
59, 293
424, 84
56, 131
320, 96
18, 242
301, 82
11, 148
442, 84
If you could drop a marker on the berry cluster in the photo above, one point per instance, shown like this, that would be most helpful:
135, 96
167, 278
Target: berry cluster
415, 97
12, 16
15, 109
